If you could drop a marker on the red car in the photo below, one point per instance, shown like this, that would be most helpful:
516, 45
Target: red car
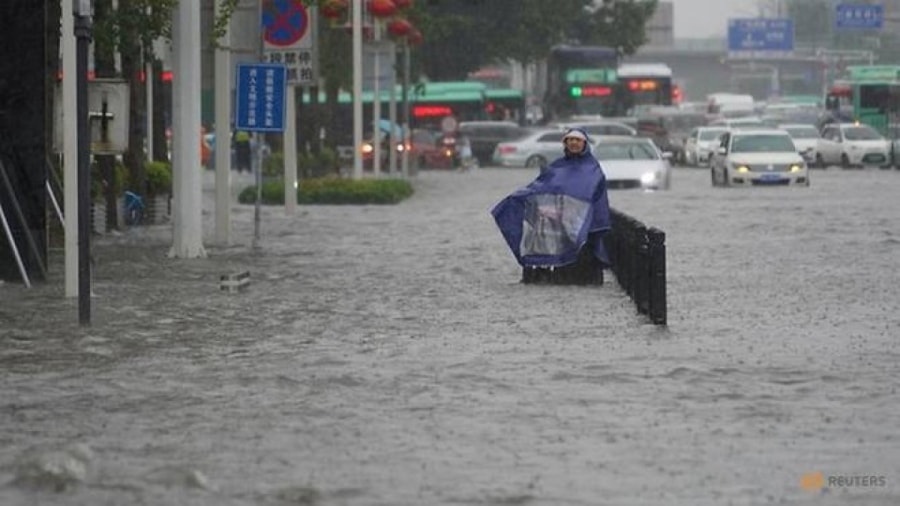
428, 152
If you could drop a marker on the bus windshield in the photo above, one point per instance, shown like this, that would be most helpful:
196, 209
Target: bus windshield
581, 80
646, 83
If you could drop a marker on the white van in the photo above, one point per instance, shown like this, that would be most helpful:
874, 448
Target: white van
729, 104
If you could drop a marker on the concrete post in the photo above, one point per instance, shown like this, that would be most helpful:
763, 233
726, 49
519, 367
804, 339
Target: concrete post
186, 169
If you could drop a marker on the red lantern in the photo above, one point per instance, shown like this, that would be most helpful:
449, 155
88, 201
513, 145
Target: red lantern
333, 9
415, 37
399, 27
382, 8
403, 4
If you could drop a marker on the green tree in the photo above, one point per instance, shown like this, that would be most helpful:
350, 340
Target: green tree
130, 31
462, 35
618, 24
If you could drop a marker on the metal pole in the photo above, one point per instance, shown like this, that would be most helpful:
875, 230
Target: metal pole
290, 151
70, 147
376, 97
224, 80
148, 123
392, 115
56, 208
257, 171
82, 24
357, 89
407, 137
15, 250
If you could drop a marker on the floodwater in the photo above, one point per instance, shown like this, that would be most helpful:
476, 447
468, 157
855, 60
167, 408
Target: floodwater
389, 356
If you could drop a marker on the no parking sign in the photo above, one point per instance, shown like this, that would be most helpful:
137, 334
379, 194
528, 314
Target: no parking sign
289, 37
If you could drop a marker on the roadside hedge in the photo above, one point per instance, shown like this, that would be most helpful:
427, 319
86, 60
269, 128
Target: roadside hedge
333, 190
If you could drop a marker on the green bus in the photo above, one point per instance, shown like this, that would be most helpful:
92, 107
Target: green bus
506, 104
429, 104
868, 93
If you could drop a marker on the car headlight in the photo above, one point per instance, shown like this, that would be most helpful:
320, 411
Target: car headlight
742, 169
797, 168
648, 178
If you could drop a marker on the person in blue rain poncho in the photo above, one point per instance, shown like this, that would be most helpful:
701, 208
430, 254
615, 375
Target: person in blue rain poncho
559, 218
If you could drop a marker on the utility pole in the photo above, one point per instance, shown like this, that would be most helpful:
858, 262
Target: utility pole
82, 26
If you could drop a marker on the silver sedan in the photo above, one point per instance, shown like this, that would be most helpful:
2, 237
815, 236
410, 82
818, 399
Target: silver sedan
633, 162
534, 150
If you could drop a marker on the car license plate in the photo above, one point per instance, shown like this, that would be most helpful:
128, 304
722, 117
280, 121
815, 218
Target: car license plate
770, 177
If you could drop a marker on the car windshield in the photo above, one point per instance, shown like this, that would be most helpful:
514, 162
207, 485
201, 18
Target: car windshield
861, 133
762, 143
803, 132
624, 151
711, 135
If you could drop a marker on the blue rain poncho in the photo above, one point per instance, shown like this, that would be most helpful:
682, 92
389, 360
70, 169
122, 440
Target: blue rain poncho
565, 208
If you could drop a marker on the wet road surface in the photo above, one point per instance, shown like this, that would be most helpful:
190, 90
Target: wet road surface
389, 356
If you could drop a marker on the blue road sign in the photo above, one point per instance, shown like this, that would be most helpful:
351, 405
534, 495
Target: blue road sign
259, 96
760, 34
859, 16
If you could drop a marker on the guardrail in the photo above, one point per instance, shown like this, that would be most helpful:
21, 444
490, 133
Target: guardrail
638, 257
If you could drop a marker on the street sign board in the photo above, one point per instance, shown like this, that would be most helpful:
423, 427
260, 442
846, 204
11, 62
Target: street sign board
859, 16
259, 95
760, 37
289, 34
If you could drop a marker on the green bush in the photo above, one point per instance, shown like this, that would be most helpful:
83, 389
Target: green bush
273, 165
308, 165
159, 177
333, 190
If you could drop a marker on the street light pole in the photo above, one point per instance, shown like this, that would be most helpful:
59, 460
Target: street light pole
407, 134
82, 27
357, 88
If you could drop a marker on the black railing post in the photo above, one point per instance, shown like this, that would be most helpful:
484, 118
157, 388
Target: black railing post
642, 290
658, 305
637, 256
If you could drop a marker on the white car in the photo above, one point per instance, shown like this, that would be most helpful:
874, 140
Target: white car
632, 162
701, 143
852, 144
735, 123
806, 138
599, 127
758, 157
535, 149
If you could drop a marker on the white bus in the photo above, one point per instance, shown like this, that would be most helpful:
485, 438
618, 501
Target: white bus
646, 84
730, 105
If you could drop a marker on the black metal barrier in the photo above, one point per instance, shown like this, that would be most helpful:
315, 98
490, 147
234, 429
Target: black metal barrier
638, 257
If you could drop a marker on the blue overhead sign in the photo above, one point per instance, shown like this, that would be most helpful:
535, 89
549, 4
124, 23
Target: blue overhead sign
760, 35
859, 16
259, 95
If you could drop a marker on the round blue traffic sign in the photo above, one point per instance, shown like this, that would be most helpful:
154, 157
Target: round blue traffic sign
284, 22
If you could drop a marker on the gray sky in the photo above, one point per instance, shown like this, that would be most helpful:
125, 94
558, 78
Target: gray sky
707, 18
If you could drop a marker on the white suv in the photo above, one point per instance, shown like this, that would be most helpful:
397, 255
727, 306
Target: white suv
852, 144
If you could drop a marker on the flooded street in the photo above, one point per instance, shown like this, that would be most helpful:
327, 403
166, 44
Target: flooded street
389, 356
